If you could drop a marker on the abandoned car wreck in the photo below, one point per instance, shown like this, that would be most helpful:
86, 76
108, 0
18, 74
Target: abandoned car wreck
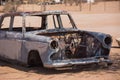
51, 39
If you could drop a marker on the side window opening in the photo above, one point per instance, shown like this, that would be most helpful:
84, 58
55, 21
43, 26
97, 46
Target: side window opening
66, 21
33, 23
6, 23
52, 22
17, 24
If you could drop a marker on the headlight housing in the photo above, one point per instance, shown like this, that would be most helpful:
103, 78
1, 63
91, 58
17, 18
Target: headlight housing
108, 40
54, 44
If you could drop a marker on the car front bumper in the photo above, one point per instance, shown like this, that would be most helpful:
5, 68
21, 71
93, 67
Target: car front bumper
70, 62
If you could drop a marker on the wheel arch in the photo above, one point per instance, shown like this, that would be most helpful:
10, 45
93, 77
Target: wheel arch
35, 53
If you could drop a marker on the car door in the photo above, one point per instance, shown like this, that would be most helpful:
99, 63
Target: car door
10, 41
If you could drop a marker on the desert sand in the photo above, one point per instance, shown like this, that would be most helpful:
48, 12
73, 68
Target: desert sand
106, 22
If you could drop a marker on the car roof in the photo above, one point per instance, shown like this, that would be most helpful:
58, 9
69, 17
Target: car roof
35, 13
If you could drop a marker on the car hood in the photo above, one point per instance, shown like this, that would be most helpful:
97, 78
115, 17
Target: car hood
40, 33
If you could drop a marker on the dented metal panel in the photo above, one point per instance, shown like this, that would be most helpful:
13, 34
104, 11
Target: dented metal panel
10, 45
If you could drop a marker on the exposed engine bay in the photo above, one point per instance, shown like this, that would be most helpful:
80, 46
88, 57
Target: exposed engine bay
74, 45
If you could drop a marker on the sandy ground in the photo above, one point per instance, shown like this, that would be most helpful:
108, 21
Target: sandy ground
102, 22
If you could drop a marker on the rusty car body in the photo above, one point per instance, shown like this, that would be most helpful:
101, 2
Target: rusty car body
54, 45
